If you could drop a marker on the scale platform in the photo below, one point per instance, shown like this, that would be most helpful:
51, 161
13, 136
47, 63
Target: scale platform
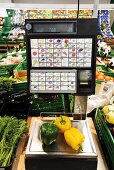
59, 155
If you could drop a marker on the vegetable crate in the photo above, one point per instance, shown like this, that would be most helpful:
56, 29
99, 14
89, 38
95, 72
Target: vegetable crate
16, 104
19, 86
106, 138
19, 109
47, 103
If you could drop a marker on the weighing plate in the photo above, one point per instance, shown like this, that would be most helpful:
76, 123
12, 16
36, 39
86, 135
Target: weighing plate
60, 148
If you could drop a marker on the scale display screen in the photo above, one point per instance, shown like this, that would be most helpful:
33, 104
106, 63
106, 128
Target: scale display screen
61, 52
54, 27
53, 81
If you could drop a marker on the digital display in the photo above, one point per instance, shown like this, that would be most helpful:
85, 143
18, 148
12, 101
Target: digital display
58, 52
53, 81
85, 76
54, 27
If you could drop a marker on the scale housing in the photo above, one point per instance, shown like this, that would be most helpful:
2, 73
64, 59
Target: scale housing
83, 33
61, 55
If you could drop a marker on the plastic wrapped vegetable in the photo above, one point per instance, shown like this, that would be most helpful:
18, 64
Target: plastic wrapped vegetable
49, 133
74, 138
63, 123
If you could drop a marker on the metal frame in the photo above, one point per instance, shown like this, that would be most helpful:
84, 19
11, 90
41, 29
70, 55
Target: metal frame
57, 152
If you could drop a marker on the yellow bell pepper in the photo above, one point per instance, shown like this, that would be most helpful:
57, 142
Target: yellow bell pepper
74, 138
105, 110
110, 117
63, 123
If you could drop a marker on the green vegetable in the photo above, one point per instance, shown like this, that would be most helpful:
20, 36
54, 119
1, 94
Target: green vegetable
11, 130
49, 133
6, 83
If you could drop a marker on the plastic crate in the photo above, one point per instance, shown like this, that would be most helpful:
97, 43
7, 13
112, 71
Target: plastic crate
19, 86
19, 110
15, 103
106, 138
47, 103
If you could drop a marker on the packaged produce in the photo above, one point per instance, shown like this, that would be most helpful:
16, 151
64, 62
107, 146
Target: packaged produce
63, 123
49, 132
95, 101
74, 138
105, 97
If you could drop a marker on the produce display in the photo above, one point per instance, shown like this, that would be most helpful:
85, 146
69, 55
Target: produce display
105, 57
16, 33
10, 83
13, 26
13, 69
6, 83
9, 63
62, 127
11, 60
13, 56
104, 28
11, 130
103, 50
48, 14
19, 17
101, 77
104, 63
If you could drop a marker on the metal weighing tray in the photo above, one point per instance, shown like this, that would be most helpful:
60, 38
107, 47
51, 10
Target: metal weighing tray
59, 155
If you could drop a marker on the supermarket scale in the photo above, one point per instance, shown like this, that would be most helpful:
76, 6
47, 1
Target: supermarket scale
61, 55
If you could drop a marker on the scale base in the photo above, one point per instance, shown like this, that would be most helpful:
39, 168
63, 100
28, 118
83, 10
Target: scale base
60, 163
59, 155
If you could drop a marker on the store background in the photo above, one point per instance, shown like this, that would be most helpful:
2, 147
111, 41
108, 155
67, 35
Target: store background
18, 4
